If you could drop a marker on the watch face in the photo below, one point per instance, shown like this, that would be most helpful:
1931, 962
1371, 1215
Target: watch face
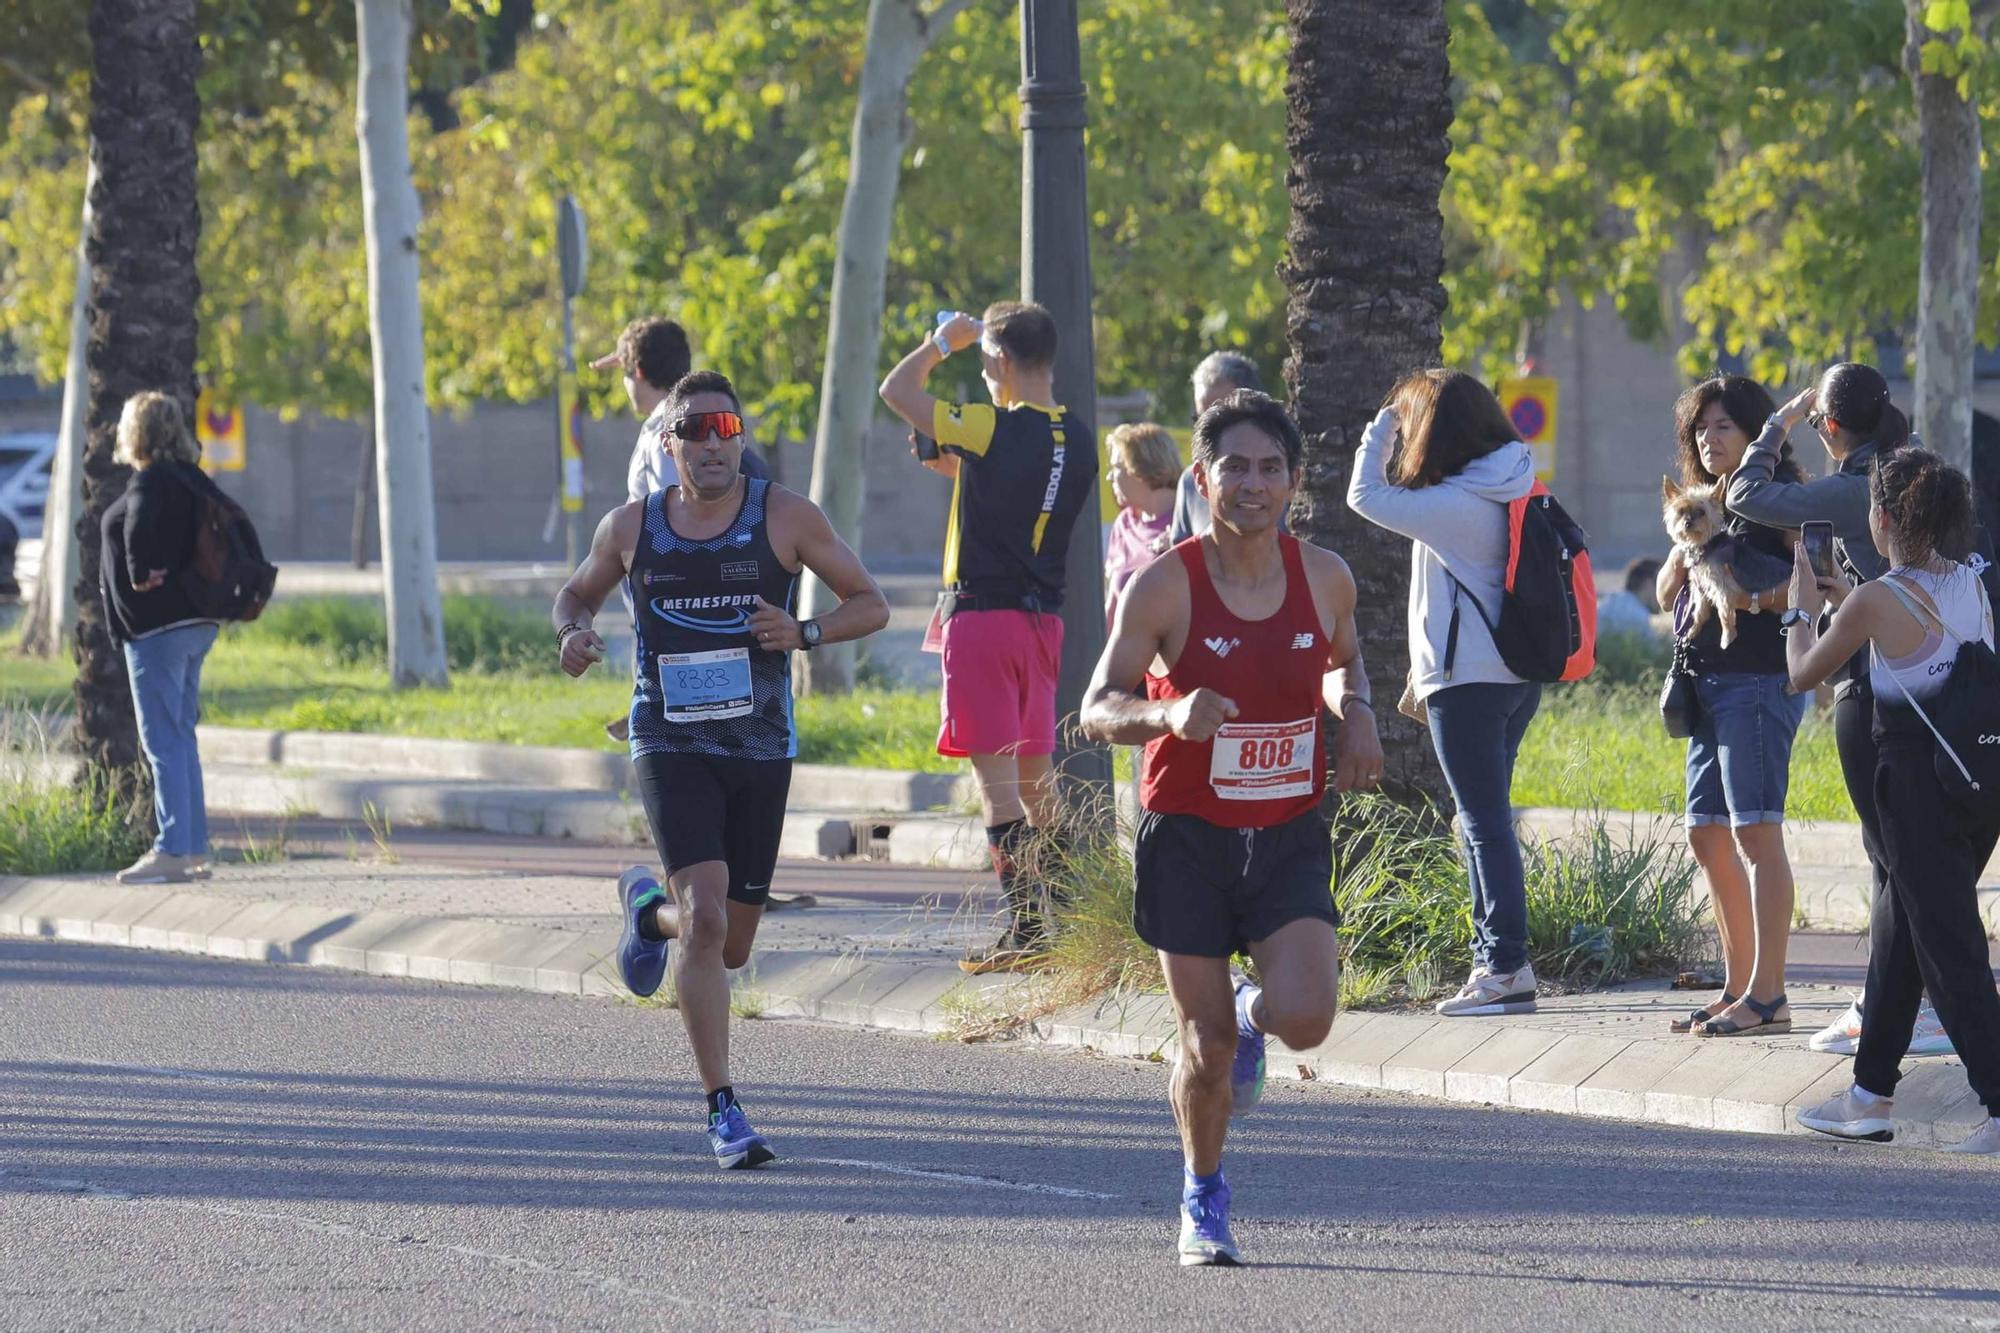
810, 632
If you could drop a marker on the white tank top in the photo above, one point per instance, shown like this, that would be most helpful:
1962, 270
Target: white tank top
1956, 595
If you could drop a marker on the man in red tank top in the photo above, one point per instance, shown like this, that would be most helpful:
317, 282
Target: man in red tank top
1243, 636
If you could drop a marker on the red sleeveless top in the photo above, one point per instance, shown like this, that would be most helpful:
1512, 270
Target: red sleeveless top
1268, 764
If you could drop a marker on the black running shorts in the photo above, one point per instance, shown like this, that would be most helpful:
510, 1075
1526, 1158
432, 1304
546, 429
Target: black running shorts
703, 808
1209, 891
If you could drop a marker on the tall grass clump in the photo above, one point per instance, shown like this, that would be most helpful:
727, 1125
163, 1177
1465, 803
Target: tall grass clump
52, 823
1600, 909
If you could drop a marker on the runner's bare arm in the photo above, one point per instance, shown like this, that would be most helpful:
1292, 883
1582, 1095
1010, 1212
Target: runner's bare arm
904, 391
815, 545
583, 595
1152, 605
1357, 748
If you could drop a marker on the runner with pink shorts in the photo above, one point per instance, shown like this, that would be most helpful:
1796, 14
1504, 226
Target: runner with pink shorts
1022, 471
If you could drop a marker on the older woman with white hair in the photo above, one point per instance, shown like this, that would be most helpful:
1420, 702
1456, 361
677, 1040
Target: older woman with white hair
149, 538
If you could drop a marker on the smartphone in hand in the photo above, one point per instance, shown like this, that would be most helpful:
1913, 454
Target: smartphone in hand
927, 448
1817, 536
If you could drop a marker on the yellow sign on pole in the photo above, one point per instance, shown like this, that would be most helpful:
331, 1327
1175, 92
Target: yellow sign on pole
1530, 403
572, 445
218, 428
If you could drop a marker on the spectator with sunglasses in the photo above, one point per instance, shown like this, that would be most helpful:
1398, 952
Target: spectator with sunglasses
713, 563
1022, 470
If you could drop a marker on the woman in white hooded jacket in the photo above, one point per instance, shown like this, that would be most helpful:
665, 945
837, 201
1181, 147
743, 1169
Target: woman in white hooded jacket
1447, 488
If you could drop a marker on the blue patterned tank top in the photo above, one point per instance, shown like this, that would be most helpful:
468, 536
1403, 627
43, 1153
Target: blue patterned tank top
703, 685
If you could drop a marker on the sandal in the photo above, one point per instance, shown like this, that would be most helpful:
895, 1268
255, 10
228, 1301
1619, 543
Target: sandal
1772, 1024
1700, 1016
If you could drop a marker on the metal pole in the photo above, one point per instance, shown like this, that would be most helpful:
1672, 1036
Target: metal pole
1055, 272
572, 258
573, 539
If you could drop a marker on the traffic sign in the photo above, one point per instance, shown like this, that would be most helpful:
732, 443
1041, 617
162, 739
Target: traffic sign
218, 428
1530, 403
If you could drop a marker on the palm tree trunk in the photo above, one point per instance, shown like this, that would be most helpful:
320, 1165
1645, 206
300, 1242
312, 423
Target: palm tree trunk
1368, 104
144, 224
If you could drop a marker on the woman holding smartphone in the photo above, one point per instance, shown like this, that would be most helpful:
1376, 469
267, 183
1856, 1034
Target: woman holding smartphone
1850, 411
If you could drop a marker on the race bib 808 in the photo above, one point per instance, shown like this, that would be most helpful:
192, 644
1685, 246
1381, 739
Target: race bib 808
1265, 761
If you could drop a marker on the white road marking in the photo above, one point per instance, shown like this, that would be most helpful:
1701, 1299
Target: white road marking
953, 1177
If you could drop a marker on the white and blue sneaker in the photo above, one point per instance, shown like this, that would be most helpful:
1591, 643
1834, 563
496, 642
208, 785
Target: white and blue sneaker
736, 1145
1205, 1238
641, 962
1246, 1071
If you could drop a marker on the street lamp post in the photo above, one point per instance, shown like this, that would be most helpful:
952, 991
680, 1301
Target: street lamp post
1055, 269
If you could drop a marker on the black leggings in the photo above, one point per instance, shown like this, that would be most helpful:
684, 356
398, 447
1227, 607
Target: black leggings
1854, 738
1927, 934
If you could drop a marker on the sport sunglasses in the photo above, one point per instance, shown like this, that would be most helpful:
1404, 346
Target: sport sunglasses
699, 425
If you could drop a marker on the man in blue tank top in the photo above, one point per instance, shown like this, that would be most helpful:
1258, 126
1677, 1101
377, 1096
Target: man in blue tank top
712, 564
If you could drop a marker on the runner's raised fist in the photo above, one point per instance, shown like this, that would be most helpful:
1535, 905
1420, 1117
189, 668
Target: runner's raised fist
1197, 716
580, 650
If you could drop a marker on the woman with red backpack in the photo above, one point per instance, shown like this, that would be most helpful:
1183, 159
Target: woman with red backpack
1449, 488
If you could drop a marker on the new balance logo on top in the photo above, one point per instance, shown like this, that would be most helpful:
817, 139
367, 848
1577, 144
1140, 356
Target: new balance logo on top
1302, 641
1221, 646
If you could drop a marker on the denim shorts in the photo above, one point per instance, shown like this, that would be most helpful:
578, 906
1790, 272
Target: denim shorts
1739, 760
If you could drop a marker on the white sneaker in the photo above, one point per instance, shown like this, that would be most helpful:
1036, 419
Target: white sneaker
1488, 992
1928, 1036
1849, 1117
1843, 1035
156, 867
1985, 1140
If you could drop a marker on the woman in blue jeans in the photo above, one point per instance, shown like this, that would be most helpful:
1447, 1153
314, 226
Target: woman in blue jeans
148, 539
1447, 489
1740, 756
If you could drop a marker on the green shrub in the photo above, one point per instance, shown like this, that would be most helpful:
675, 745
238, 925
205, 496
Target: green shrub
480, 633
55, 828
1599, 911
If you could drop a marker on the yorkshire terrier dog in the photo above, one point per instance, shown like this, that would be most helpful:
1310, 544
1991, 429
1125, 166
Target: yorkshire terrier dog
1721, 567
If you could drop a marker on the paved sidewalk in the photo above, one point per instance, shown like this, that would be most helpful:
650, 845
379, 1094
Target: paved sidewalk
860, 960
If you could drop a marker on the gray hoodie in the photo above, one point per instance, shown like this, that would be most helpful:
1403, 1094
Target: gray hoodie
1460, 526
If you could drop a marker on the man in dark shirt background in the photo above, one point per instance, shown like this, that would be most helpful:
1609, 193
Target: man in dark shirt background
1022, 470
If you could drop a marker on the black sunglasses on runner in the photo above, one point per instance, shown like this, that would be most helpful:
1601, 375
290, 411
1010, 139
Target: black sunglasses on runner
698, 425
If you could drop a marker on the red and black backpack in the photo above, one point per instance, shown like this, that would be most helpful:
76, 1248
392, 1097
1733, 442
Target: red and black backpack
1547, 627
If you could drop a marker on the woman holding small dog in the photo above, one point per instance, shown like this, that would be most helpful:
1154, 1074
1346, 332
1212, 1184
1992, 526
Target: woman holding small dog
1850, 411
1913, 623
1726, 580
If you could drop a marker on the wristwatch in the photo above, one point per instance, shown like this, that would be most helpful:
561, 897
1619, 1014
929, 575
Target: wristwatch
943, 347
1793, 615
809, 634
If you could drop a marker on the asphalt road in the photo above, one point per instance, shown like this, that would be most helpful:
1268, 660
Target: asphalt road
187, 1143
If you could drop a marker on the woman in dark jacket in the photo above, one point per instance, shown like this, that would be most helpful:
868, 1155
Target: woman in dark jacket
149, 536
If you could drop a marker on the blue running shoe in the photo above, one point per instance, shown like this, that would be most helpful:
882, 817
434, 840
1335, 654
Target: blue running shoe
641, 962
736, 1145
1205, 1238
1246, 1071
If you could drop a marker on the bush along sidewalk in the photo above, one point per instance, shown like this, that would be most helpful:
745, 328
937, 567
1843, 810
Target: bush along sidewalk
53, 826
1601, 910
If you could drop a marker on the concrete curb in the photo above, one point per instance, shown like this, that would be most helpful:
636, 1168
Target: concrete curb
1748, 1085
820, 786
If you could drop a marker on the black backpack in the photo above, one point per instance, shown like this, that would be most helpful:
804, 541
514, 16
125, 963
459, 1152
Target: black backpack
1965, 715
1547, 626
226, 577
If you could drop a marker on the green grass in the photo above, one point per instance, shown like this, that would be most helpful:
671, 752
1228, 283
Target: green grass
508, 688
1603, 745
